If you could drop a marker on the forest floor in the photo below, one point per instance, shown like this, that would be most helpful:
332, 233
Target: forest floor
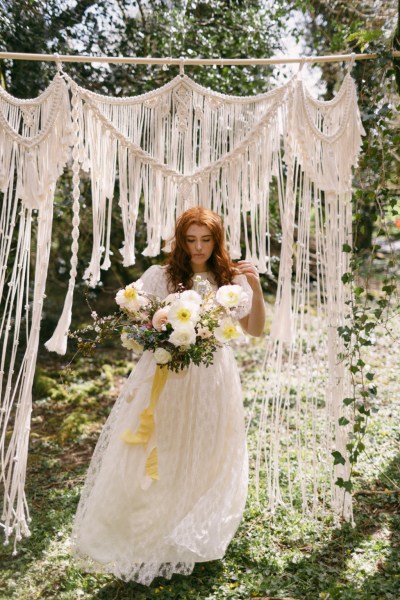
287, 556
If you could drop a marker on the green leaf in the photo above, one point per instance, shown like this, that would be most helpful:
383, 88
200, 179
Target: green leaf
369, 326
348, 401
347, 485
360, 446
343, 421
363, 410
347, 277
346, 248
389, 289
338, 458
370, 376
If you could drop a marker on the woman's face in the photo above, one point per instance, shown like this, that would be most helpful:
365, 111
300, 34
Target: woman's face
200, 246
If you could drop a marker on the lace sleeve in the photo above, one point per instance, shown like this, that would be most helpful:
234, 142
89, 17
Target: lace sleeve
154, 281
243, 311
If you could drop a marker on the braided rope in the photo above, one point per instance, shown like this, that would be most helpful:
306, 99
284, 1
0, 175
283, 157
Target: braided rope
31, 101
349, 93
180, 81
58, 341
56, 89
256, 132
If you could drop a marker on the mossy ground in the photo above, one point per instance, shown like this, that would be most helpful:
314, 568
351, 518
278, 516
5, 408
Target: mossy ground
288, 556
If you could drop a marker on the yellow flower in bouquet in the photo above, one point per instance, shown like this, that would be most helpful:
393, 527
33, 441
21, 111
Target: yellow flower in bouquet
183, 313
130, 298
227, 331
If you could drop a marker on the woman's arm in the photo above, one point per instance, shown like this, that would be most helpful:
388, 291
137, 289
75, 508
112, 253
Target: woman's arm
254, 322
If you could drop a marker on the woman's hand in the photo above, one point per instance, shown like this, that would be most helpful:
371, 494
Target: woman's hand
255, 321
247, 268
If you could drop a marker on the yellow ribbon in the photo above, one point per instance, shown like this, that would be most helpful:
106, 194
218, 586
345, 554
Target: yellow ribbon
147, 424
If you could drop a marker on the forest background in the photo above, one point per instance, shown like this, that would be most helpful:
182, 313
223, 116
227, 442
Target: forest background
291, 556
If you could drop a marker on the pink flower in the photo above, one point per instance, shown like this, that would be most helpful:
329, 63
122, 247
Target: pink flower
204, 332
160, 318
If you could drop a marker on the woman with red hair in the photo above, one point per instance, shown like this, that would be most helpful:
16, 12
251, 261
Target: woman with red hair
139, 530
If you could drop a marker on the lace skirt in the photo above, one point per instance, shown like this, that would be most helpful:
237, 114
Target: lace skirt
138, 528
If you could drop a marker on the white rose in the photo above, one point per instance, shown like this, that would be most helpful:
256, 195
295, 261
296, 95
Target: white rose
130, 343
183, 336
191, 296
227, 331
162, 356
231, 296
183, 314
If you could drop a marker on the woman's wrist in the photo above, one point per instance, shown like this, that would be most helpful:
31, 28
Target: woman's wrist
256, 286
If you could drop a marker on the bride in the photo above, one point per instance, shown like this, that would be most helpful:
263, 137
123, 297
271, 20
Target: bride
191, 513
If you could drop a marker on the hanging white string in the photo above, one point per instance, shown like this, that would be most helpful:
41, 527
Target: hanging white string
176, 147
153, 136
34, 146
326, 138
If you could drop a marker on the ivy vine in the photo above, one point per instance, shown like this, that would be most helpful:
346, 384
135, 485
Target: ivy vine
370, 307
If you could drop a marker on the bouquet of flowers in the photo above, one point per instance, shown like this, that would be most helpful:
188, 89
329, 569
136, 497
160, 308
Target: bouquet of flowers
187, 326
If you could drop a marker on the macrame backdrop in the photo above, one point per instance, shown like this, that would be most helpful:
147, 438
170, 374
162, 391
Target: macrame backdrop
176, 147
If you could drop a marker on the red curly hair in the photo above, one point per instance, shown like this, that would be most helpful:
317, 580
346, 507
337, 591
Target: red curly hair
179, 269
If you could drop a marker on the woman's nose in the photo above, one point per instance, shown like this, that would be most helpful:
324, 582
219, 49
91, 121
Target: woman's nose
198, 245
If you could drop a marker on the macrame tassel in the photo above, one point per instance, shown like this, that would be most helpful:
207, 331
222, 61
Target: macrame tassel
282, 324
58, 341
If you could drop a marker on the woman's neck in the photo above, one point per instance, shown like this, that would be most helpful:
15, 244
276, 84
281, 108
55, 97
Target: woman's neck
200, 268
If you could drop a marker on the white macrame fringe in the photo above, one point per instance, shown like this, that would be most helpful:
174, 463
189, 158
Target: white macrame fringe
176, 147
34, 147
58, 341
320, 153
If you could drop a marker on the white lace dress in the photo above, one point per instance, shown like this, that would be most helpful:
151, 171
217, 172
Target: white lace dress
192, 512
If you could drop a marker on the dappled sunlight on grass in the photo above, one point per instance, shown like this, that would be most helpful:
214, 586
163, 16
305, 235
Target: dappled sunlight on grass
287, 556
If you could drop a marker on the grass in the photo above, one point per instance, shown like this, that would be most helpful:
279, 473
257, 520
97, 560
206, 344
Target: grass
289, 556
